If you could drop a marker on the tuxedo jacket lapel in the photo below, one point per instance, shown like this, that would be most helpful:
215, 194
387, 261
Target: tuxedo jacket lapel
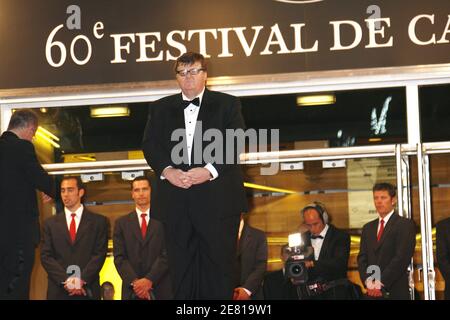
245, 240
387, 229
372, 234
178, 123
133, 224
201, 126
178, 111
326, 242
149, 234
83, 227
205, 110
62, 222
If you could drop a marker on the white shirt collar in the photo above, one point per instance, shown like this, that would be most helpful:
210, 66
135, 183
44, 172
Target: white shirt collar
139, 212
388, 216
78, 212
199, 96
323, 233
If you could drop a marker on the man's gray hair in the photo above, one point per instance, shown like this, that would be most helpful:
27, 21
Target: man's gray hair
23, 119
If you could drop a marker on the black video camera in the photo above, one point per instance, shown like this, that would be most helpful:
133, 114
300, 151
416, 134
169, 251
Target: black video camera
295, 267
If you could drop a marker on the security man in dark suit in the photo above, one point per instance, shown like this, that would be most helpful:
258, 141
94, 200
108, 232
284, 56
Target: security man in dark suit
20, 176
139, 249
74, 247
386, 249
251, 262
443, 252
198, 196
331, 252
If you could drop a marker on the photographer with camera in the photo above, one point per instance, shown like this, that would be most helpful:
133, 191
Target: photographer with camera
325, 276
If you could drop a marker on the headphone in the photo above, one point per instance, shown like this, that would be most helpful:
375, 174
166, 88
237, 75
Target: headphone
320, 208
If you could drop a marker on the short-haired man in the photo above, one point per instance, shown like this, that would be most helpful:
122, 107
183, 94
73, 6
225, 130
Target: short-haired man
139, 249
331, 252
74, 247
20, 176
199, 199
387, 245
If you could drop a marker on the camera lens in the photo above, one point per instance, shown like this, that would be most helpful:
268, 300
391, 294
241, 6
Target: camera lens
297, 269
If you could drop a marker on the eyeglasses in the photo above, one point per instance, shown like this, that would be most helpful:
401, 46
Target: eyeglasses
192, 72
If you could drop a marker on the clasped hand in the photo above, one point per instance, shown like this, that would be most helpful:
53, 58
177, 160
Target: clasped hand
142, 287
374, 288
74, 286
186, 179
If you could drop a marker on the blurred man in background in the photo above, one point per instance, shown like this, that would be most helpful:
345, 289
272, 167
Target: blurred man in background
20, 176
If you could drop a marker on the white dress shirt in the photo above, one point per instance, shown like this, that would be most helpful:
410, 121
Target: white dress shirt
317, 243
147, 217
190, 121
78, 214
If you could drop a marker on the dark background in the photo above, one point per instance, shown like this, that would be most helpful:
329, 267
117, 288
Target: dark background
25, 26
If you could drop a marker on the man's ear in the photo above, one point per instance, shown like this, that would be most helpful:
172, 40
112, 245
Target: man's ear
394, 201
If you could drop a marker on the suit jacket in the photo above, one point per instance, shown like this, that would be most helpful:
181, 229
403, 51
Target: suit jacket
223, 196
443, 252
332, 263
20, 176
333, 258
392, 254
216, 203
277, 287
252, 260
137, 258
88, 252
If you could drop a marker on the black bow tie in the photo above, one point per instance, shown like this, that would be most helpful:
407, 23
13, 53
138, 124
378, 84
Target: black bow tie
316, 237
195, 101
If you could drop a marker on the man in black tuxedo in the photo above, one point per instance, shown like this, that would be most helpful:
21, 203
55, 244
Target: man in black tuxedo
387, 246
139, 249
74, 247
443, 252
331, 252
251, 262
20, 176
198, 197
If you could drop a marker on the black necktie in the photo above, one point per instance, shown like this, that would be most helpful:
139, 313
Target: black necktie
316, 237
195, 101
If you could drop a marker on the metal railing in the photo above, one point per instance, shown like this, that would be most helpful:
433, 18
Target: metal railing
246, 158
399, 151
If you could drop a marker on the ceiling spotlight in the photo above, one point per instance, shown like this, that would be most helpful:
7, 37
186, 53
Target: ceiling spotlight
110, 111
316, 100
